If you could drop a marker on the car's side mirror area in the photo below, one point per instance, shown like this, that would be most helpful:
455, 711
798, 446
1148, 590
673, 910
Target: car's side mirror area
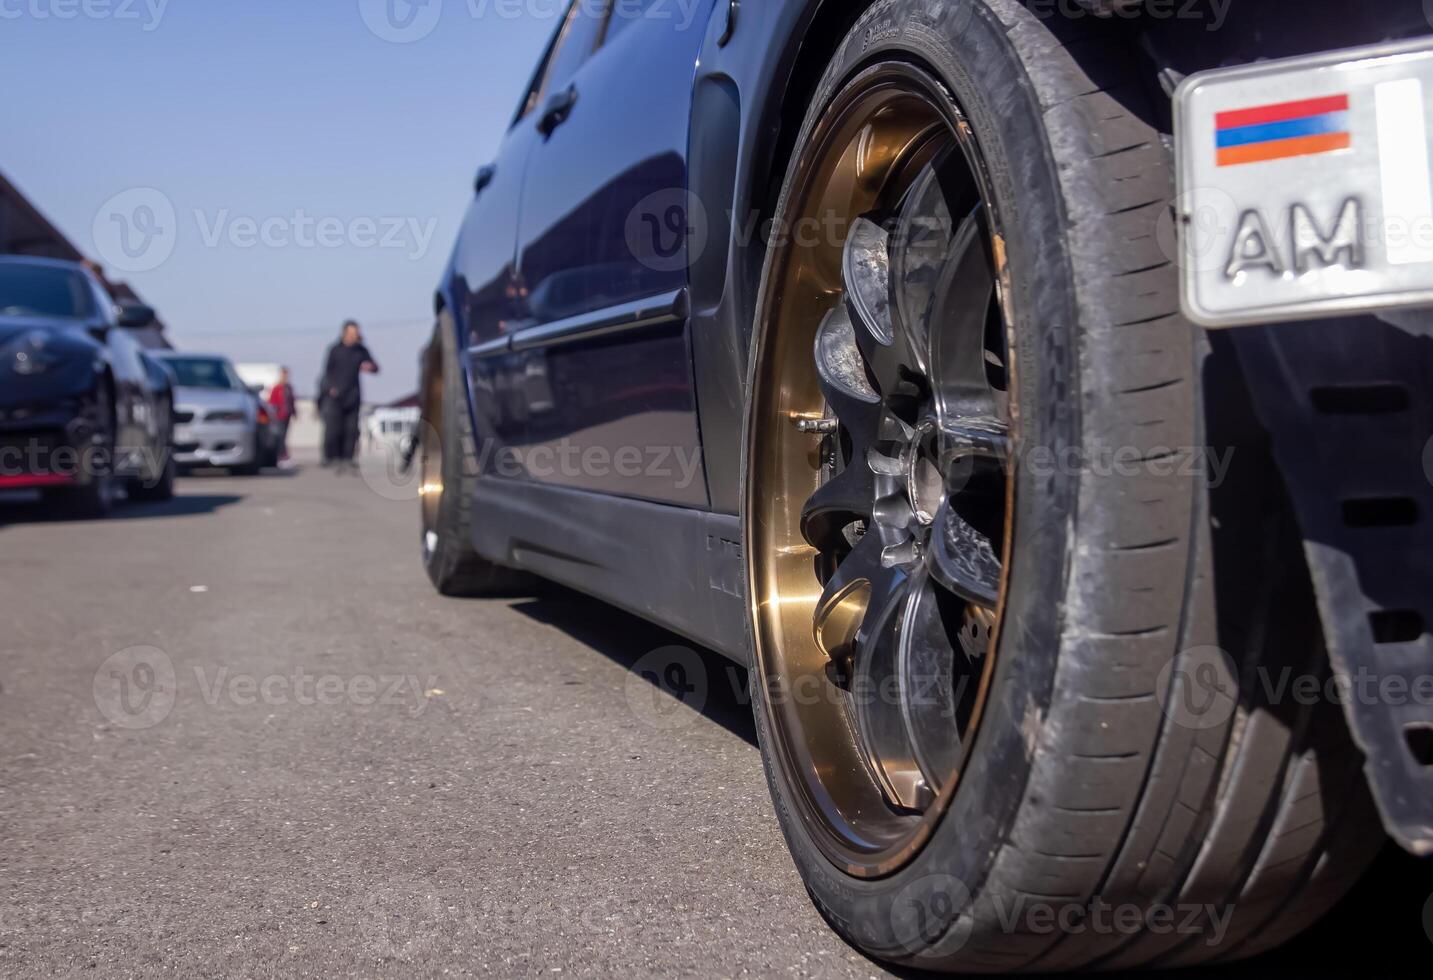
484, 177
134, 315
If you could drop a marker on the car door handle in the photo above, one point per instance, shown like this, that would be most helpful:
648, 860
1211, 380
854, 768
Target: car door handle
558, 108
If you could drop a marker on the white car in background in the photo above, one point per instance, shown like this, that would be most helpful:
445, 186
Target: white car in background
216, 414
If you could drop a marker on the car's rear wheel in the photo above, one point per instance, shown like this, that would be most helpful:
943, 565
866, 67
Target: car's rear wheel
966, 625
157, 485
448, 464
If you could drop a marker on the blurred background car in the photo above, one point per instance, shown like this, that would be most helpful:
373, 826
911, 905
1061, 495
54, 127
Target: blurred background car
81, 411
216, 415
268, 437
260, 379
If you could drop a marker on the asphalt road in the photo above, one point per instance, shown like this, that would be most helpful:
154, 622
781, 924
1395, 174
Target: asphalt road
240, 735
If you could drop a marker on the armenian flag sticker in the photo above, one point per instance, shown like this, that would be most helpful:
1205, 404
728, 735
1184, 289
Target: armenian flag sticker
1282, 130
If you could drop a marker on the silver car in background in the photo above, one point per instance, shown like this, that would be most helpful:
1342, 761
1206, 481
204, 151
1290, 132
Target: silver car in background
215, 415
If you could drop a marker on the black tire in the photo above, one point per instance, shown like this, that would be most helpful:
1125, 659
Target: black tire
92, 497
446, 436
158, 487
155, 489
1082, 791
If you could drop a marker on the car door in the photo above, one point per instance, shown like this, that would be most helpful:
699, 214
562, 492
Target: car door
486, 305
602, 257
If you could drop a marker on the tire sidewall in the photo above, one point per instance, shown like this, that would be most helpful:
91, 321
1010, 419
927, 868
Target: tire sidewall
964, 45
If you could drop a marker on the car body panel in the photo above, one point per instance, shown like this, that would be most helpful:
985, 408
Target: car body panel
604, 225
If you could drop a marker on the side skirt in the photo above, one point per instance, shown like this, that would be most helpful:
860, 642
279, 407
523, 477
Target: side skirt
678, 567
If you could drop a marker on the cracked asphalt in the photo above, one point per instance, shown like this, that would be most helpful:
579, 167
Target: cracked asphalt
241, 735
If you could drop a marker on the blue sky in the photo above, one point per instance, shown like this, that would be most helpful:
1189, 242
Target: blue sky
313, 170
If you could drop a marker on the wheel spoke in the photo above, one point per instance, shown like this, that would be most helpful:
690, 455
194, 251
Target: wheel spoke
926, 671
918, 249
957, 342
847, 496
861, 582
865, 272
878, 695
961, 558
865, 269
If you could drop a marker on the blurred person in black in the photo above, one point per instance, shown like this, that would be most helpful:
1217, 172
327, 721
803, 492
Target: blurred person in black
340, 396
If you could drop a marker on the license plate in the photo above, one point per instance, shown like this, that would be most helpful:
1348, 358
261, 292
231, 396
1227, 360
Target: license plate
1304, 186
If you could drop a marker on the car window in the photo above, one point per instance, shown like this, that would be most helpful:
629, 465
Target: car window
40, 290
213, 373
579, 37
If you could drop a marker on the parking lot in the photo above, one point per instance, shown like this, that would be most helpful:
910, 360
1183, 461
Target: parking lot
240, 734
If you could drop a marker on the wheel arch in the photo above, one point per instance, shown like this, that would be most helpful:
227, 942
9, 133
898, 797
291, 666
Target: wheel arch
810, 49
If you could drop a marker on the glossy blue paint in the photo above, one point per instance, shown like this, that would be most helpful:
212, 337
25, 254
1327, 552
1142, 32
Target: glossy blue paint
586, 211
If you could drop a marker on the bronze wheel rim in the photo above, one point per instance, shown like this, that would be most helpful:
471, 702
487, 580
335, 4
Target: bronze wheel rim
430, 448
879, 488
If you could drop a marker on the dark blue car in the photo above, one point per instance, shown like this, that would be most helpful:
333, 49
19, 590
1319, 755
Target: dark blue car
83, 409
875, 345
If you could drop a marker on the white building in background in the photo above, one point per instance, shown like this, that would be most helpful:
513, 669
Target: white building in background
259, 377
391, 427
